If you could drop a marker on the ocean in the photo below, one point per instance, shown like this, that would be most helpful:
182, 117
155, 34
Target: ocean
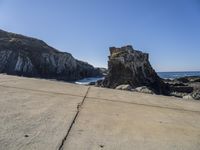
164, 75
87, 81
173, 75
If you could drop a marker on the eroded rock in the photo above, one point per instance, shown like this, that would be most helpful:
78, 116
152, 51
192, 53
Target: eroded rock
196, 95
26, 56
129, 66
188, 97
144, 89
126, 87
182, 89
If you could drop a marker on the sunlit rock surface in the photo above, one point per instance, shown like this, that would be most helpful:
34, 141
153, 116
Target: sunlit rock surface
25, 56
129, 66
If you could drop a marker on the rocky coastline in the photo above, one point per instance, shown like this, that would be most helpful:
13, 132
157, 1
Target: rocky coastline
185, 87
130, 69
127, 66
25, 56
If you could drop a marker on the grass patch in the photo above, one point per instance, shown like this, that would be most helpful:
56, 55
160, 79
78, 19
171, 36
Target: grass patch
120, 53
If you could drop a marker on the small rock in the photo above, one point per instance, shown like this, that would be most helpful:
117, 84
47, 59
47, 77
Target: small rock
178, 94
187, 97
126, 87
196, 95
144, 89
92, 83
98, 83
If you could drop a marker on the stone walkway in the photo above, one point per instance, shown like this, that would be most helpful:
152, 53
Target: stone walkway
37, 114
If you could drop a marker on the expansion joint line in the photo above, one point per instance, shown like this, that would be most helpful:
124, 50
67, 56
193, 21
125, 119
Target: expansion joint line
74, 120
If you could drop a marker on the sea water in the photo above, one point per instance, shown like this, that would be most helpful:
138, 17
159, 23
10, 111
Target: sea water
174, 75
87, 81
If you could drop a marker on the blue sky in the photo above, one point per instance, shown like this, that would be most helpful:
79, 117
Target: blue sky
167, 29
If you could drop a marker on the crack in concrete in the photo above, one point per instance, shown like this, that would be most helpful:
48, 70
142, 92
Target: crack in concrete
47, 92
74, 120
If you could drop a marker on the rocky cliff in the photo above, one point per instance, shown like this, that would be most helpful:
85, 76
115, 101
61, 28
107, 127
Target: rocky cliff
129, 66
25, 56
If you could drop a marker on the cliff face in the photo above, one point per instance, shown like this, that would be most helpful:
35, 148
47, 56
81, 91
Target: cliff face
129, 66
25, 56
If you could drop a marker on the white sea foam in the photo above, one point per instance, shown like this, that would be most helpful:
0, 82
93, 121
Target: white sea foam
87, 81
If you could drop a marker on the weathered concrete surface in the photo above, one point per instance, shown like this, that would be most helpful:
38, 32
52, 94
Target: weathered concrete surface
143, 99
26, 109
41, 114
121, 126
42, 85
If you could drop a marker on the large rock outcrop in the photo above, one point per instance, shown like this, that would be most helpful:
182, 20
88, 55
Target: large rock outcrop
129, 66
25, 56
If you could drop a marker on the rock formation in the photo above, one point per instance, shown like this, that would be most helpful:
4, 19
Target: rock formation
125, 87
25, 56
185, 87
129, 66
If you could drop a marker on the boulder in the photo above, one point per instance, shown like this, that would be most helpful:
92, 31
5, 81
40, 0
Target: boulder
26, 56
178, 94
129, 66
144, 89
188, 97
196, 95
182, 89
189, 79
126, 87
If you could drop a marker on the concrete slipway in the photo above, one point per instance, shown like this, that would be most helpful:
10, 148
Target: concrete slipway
38, 114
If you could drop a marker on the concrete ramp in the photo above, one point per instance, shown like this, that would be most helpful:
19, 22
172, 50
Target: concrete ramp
38, 114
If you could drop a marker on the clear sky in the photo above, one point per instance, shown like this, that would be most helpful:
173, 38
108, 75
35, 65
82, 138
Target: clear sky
167, 29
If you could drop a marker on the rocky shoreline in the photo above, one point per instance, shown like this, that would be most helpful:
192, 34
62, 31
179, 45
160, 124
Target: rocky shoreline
185, 87
127, 66
130, 69
25, 56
